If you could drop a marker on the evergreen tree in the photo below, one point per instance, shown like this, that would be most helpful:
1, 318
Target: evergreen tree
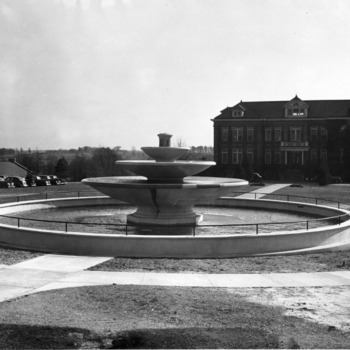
248, 168
61, 168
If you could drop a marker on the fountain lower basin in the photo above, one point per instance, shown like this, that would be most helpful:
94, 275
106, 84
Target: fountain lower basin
164, 203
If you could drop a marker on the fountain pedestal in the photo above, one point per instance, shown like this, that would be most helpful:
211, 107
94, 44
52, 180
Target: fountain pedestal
164, 203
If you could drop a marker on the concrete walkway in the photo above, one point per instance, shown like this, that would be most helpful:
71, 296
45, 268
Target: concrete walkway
28, 276
50, 271
262, 191
61, 271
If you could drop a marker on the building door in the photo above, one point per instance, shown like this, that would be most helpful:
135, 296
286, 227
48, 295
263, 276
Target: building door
295, 158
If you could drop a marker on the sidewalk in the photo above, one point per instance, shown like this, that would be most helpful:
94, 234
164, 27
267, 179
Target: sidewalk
61, 271
26, 277
262, 191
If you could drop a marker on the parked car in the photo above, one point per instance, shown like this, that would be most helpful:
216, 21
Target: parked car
18, 181
4, 183
30, 180
39, 181
53, 179
46, 179
335, 179
62, 181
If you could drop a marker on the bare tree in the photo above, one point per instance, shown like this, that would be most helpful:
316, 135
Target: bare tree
180, 142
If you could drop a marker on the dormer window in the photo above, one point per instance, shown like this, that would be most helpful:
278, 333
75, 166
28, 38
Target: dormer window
237, 113
296, 112
296, 108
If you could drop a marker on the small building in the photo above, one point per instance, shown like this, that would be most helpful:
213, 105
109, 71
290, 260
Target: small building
281, 139
11, 168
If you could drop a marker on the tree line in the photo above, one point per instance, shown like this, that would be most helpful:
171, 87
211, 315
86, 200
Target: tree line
77, 164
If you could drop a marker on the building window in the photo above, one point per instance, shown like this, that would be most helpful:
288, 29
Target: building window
278, 134
296, 112
250, 134
295, 134
237, 134
250, 156
313, 154
314, 134
267, 156
224, 134
237, 155
324, 134
237, 113
268, 134
323, 155
224, 156
278, 157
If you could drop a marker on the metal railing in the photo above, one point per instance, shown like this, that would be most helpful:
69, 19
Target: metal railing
194, 230
47, 195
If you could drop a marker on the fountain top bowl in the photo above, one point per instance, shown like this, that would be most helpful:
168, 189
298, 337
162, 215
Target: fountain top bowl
165, 154
164, 171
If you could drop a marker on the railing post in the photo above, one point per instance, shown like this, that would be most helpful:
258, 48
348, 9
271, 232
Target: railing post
126, 229
257, 229
193, 230
18, 222
66, 226
307, 226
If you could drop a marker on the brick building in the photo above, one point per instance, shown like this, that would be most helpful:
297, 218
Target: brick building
281, 139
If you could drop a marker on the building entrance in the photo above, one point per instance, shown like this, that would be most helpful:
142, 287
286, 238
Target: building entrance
294, 158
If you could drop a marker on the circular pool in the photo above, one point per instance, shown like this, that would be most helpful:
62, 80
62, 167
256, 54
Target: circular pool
274, 240
111, 219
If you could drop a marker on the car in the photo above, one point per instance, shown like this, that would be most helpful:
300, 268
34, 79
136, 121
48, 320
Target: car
62, 181
4, 183
30, 180
46, 179
39, 181
18, 181
53, 179
335, 179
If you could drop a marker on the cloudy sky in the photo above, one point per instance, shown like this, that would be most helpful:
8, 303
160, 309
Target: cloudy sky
117, 72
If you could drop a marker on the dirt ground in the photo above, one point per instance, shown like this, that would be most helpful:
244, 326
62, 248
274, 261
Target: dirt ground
178, 318
327, 261
134, 317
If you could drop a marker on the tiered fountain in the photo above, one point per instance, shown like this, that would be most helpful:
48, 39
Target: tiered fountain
165, 194
164, 191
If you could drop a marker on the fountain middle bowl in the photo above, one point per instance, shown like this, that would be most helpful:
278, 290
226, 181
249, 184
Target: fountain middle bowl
164, 203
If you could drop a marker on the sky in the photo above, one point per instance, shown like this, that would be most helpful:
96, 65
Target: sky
107, 73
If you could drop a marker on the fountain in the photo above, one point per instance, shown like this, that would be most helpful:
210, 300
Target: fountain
165, 193
164, 189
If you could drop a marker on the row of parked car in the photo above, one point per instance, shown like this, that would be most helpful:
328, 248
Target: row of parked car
30, 180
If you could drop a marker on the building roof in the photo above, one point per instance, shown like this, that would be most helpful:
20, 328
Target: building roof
12, 169
276, 109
